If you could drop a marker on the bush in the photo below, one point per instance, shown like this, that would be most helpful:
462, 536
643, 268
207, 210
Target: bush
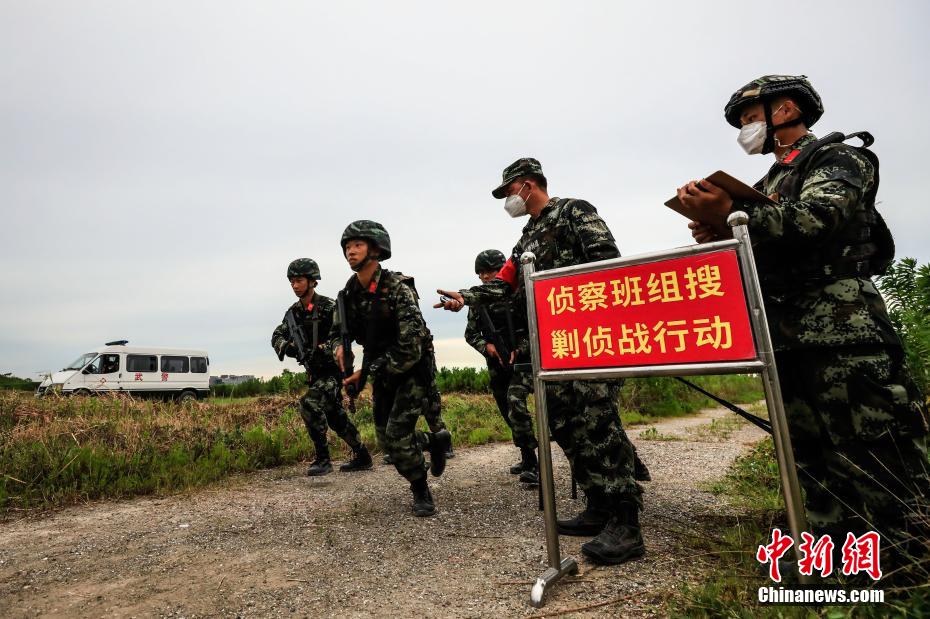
18, 384
288, 382
906, 288
463, 380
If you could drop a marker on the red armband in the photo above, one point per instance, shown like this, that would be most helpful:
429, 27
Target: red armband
509, 273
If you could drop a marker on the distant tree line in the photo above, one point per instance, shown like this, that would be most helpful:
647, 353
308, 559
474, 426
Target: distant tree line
8, 381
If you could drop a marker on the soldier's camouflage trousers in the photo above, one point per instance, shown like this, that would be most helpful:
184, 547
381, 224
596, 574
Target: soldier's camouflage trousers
433, 412
510, 390
585, 422
858, 429
398, 402
322, 404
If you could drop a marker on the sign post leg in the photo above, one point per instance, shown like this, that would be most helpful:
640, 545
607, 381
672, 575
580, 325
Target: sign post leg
787, 468
558, 567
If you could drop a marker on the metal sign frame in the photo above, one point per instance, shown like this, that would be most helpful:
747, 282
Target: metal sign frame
764, 364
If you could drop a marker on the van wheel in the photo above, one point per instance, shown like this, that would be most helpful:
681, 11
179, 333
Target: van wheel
187, 396
82, 392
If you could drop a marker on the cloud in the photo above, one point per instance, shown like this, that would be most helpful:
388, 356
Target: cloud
161, 164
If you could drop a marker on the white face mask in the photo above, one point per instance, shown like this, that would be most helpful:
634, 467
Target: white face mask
515, 205
752, 137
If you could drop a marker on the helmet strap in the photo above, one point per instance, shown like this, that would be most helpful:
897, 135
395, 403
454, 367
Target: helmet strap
361, 263
769, 145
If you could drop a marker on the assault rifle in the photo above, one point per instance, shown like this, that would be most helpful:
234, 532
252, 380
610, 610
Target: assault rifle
491, 335
304, 348
348, 358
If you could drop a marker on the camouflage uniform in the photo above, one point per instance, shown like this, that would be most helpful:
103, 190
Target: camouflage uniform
510, 388
385, 319
323, 401
857, 422
433, 412
583, 415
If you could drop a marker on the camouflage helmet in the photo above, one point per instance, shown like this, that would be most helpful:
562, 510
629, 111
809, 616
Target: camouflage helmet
370, 231
767, 87
489, 260
303, 267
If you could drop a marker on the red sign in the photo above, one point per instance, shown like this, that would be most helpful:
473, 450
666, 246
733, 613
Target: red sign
682, 310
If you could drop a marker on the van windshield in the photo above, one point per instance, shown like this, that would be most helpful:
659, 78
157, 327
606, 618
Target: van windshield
81, 361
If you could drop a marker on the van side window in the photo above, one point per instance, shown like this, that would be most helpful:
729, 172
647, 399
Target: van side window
175, 364
199, 365
109, 364
141, 363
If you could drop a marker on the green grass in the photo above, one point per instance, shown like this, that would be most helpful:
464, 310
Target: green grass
725, 551
652, 434
644, 400
18, 384
58, 451
717, 430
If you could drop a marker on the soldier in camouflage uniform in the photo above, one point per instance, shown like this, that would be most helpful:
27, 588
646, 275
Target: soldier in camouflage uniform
433, 412
503, 323
583, 415
857, 421
383, 315
323, 401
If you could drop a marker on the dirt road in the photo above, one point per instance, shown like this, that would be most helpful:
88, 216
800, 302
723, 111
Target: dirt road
279, 543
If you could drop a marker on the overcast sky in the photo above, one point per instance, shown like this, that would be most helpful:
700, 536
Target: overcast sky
162, 162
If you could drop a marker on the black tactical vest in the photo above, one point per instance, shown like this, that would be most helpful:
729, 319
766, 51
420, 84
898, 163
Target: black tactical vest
316, 325
508, 324
379, 330
862, 247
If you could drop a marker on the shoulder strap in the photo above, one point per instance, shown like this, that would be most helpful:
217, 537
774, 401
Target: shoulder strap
808, 151
791, 185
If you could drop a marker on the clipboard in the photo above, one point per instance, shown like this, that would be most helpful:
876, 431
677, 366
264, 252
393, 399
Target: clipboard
737, 189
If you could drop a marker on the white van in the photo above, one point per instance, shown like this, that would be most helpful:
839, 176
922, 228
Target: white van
137, 370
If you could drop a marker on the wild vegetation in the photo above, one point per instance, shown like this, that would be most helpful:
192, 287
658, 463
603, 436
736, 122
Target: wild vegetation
55, 451
726, 547
906, 288
753, 486
8, 381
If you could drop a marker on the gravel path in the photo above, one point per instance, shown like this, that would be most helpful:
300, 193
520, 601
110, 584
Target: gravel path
279, 543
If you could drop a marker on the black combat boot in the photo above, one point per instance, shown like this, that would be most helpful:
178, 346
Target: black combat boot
620, 540
387, 459
361, 461
422, 498
527, 461
589, 522
321, 466
530, 474
450, 454
640, 472
439, 444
